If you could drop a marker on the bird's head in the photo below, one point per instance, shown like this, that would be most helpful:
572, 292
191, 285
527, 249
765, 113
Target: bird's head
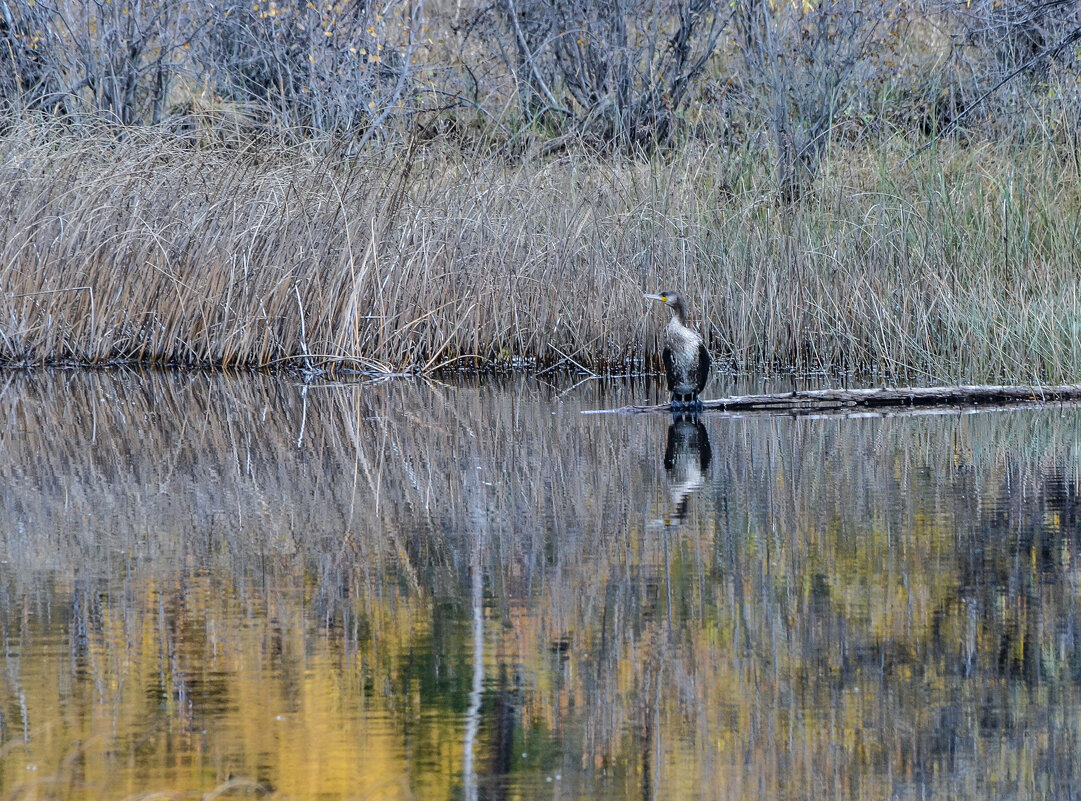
667, 298
672, 300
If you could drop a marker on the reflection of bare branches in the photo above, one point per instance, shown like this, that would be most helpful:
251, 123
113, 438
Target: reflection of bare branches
171, 535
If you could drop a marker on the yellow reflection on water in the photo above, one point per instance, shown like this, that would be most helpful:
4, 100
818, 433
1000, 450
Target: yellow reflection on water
187, 687
222, 586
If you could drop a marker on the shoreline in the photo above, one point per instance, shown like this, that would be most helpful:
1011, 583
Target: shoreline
412, 262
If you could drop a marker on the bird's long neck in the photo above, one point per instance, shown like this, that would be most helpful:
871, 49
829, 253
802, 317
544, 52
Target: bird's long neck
679, 312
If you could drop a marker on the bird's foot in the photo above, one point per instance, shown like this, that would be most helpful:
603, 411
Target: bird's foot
683, 406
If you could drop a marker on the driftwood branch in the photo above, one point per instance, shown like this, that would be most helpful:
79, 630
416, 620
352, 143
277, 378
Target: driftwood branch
817, 400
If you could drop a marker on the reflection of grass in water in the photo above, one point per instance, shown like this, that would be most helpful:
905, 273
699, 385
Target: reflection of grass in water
838, 589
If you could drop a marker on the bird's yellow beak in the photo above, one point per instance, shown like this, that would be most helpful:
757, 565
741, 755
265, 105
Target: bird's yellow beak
661, 298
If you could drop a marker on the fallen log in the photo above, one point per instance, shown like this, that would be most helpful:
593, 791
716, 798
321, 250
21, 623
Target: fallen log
811, 400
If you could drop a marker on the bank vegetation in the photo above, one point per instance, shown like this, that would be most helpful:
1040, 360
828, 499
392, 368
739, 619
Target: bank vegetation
890, 189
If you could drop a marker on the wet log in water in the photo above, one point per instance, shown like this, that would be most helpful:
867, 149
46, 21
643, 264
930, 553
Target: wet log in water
812, 400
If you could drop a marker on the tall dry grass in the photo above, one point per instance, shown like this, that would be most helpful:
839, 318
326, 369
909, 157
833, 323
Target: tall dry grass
962, 264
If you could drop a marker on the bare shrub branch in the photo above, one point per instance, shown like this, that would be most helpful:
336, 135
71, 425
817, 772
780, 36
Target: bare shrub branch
1003, 58
618, 72
803, 65
117, 59
316, 66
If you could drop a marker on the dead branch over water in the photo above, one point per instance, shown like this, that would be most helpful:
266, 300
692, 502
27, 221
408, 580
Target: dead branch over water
843, 400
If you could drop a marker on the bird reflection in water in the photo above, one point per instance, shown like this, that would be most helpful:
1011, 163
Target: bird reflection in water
686, 462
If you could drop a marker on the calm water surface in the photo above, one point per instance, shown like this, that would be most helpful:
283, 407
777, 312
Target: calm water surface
223, 587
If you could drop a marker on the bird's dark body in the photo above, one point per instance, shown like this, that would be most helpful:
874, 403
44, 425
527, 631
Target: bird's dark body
687, 450
687, 371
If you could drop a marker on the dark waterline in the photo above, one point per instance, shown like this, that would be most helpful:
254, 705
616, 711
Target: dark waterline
470, 590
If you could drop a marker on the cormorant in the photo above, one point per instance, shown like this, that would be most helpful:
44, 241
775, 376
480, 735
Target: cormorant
686, 360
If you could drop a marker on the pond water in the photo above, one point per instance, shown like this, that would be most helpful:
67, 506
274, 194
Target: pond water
218, 586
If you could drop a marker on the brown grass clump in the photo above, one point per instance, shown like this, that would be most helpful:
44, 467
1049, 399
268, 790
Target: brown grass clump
959, 265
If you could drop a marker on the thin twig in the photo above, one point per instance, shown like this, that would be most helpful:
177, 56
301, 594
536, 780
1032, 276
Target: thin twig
1047, 52
531, 61
572, 361
303, 333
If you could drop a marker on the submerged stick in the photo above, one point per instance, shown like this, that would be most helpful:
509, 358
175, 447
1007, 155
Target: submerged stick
816, 399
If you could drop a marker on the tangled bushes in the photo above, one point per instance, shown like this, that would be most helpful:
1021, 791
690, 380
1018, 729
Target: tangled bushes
628, 74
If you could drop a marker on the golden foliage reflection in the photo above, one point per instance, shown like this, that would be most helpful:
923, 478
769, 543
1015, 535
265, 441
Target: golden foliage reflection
217, 585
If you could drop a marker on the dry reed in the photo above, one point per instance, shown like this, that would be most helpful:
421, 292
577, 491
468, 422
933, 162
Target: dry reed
961, 266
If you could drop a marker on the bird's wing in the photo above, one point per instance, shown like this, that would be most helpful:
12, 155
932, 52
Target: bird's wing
670, 369
704, 362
